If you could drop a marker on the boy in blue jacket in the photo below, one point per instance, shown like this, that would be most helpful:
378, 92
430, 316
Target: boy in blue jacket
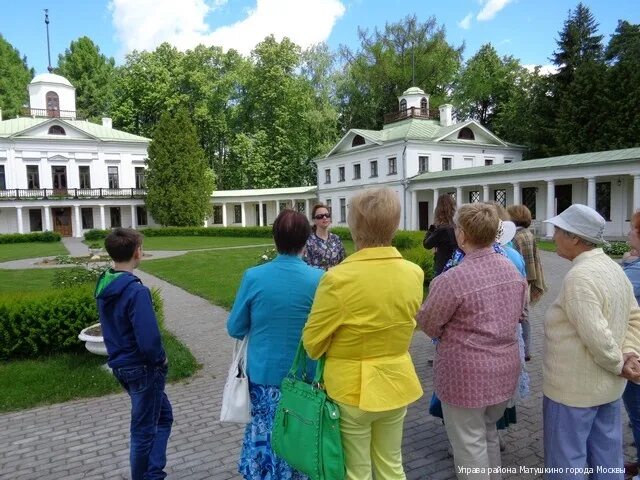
136, 355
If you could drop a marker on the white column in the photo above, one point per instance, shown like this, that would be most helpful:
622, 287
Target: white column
551, 205
243, 214
224, 214
19, 218
591, 192
485, 193
414, 224
516, 193
293, 204
103, 224
436, 194
276, 208
47, 218
458, 196
306, 207
636, 192
260, 216
78, 221
134, 222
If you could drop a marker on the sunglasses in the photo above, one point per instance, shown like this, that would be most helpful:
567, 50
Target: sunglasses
322, 215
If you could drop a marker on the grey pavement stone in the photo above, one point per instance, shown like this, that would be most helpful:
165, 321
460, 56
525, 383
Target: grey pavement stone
88, 438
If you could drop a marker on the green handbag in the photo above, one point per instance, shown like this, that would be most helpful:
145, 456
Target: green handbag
306, 428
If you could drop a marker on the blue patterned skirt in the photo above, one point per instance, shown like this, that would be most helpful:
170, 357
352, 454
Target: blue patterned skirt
257, 460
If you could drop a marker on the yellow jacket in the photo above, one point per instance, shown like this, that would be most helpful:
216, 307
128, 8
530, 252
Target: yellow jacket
363, 319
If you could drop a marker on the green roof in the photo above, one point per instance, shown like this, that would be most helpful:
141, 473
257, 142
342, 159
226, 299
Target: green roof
581, 159
15, 126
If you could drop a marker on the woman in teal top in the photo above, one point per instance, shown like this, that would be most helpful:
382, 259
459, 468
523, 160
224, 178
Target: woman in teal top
271, 307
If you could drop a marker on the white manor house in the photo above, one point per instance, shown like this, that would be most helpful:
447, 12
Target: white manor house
60, 173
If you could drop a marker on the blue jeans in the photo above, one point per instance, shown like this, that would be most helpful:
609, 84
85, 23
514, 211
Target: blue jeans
151, 419
631, 398
575, 437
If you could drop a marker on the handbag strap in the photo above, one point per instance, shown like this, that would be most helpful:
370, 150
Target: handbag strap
300, 363
240, 352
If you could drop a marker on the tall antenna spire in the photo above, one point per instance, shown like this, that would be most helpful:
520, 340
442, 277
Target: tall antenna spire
413, 65
46, 20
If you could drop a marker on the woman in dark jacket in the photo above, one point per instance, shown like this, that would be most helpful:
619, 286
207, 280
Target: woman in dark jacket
441, 236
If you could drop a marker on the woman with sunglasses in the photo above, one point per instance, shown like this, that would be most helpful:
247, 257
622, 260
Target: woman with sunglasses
324, 249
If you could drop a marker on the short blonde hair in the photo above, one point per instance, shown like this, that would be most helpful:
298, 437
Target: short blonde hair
501, 211
374, 216
479, 221
520, 215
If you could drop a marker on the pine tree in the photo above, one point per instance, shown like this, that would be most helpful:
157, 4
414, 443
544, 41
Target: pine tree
179, 182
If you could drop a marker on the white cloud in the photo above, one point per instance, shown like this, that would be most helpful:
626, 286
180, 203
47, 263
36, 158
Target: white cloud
490, 8
548, 69
144, 24
465, 23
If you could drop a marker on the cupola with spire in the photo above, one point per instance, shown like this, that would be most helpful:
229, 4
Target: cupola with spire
413, 103
51, 95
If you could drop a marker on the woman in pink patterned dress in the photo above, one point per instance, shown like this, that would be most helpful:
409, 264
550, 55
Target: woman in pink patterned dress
474, 310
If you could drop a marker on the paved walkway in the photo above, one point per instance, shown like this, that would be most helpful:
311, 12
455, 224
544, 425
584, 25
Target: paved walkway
88, 439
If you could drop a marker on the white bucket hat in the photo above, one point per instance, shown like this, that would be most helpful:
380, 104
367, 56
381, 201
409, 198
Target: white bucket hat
506, 232
582, 221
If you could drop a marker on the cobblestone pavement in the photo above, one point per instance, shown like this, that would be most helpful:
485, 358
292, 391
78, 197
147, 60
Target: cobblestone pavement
88, 439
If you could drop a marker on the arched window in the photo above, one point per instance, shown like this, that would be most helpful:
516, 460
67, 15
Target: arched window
424, 105
56, 130
53, 104
403, 105
466, 134
357, 140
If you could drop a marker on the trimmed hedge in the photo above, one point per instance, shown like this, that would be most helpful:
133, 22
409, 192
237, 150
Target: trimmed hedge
30, 237
423, 258
48, 322
96, 234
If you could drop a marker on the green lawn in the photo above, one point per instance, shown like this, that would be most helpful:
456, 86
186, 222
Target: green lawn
199, 243
546, 245
17, 251
64, 377
31, 280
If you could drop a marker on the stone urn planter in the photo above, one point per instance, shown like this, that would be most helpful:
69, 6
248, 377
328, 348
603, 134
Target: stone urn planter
92, 336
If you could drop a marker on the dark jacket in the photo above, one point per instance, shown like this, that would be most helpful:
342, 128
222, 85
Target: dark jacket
129, 326
443, 238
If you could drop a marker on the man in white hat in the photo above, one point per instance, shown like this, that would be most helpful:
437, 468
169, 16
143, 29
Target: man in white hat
592, 340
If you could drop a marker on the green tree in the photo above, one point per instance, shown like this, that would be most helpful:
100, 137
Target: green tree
14, 79
383, 67
485, 85
179, 182
623, 82
275, 116
92, 73
579, 86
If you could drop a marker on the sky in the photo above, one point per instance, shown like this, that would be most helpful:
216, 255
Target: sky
526, 29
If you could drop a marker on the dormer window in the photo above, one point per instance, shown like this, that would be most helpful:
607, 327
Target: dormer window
403, 105
56, 130
466, 134
53, 104
357, 141
424, 105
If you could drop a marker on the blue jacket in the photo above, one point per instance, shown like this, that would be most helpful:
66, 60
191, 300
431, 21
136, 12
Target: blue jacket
632, 269
271, 306
129, 326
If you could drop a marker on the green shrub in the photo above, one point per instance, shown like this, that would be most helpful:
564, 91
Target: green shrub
96, 234
423, 258
254, 232
49, 322
343, 232
405, 239
616, 249
76, 276
30, 237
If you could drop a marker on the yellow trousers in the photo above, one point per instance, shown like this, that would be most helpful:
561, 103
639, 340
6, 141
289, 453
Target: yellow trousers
372, 439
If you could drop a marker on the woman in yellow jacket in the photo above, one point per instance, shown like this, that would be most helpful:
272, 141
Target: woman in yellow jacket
362, 318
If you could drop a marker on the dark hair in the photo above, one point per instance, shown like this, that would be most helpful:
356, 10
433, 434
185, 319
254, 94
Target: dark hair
313, 212
445, 209
122, 243
290, 232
